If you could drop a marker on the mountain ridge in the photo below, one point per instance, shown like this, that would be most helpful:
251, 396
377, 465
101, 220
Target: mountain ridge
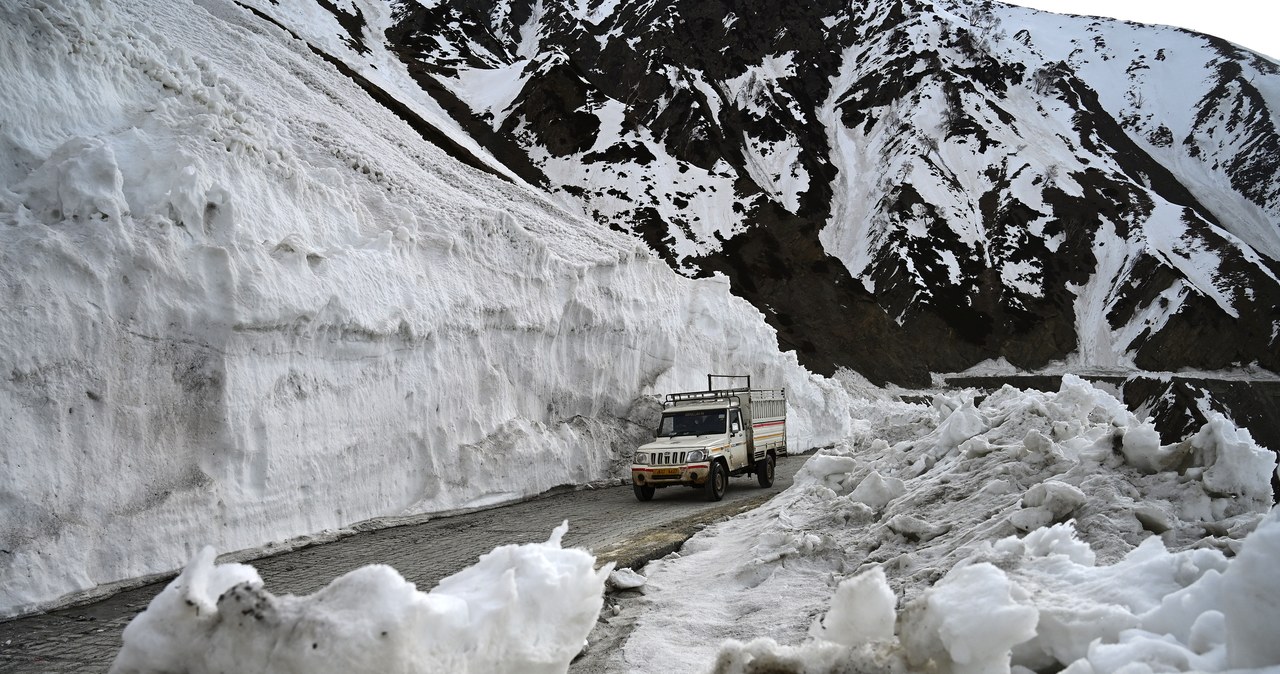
905, 186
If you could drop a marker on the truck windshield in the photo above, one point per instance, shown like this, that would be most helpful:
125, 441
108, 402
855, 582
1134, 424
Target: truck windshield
699, 422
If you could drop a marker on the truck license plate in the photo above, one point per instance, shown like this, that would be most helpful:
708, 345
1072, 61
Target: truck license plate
667, 471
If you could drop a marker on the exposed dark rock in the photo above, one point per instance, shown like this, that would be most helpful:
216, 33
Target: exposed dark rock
352, 22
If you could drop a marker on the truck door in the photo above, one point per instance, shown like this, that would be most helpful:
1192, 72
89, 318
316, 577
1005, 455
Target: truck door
737, 441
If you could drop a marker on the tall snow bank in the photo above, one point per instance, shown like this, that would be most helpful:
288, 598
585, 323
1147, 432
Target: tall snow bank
1012, 532
521, 609
242, 303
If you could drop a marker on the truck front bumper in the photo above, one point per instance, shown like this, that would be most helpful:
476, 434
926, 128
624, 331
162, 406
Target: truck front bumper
665, 476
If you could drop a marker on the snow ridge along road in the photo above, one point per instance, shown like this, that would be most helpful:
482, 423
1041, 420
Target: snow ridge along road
610, 522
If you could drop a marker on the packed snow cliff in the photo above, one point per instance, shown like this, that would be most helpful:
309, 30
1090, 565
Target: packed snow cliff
240, 303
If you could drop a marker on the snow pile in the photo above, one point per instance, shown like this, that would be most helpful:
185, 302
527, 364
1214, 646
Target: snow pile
1021, 531
862, 611
521, 608
262, 306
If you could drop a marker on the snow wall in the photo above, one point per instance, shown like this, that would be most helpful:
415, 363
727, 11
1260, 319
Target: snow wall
241, 303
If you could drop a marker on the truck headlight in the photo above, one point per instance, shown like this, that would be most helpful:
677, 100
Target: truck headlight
641, 459
696, 455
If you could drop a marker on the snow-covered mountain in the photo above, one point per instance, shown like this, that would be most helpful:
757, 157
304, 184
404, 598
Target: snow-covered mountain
901, 186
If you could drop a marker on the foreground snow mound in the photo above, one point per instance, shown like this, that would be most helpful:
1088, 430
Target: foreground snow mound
521, 608
1039, 530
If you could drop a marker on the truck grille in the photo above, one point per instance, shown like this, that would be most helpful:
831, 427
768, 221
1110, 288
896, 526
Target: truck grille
668, 458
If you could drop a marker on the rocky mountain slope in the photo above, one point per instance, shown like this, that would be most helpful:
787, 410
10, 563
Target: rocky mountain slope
900, 186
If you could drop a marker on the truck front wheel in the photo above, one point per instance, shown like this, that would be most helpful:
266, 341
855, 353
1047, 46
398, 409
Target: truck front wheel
716, 482
764, 471
643, 493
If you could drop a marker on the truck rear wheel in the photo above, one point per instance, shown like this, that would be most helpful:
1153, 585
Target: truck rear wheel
643, 493
764, 471
716, 482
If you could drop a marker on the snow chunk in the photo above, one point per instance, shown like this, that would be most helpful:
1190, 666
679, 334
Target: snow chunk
521, 608
80, 180
916, 529
862, 611
1234, 464
876, 491
625, 579
977, 616
1059, 539
1141, 449
1047, 503
959, 425
826, 470
1251, 599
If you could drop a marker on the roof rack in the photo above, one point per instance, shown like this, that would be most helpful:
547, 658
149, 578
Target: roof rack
727, 394
699, 396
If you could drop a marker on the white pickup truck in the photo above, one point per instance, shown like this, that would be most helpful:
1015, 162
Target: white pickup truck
707, 436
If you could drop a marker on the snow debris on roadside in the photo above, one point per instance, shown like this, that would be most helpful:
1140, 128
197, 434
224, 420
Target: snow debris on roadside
625, 579
1025, 532
521, 608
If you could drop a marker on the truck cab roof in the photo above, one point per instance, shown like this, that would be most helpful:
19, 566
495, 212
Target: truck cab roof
699, 406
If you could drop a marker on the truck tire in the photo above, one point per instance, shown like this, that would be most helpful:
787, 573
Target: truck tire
716, 482
764, 471
643, 493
